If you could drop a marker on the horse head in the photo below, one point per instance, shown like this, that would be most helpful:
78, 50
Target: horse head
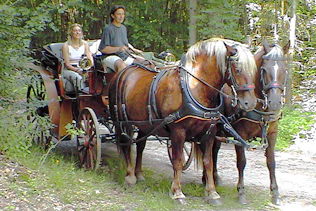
272, 74
240, 75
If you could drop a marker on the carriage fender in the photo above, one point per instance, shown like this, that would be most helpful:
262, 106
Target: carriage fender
52, 96
65, 117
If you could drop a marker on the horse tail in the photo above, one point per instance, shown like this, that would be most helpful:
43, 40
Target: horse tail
197, 153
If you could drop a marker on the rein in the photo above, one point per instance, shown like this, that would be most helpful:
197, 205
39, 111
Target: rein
207, 84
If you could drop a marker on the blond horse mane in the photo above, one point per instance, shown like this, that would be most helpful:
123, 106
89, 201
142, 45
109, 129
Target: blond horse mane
216, 47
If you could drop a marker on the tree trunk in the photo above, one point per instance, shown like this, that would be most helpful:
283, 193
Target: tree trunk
288, 96
192, 25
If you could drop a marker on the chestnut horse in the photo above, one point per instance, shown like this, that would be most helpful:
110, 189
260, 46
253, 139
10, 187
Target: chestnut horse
180, 102
263, 120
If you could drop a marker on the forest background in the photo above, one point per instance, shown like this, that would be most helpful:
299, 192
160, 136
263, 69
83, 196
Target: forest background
153, 25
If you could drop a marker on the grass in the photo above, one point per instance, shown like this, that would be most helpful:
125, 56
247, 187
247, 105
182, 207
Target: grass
292, 122
105, 189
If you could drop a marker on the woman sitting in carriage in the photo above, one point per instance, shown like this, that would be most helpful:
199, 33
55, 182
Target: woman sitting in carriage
72, 52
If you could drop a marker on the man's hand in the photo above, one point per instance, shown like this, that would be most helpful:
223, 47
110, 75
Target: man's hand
123, 48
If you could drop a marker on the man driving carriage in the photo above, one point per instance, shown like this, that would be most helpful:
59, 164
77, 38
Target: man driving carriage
114, 42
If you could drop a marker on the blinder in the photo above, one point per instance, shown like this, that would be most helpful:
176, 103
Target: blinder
273, 84
236, 87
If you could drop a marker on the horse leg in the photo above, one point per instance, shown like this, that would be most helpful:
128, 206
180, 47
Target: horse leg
139, 157
177, 142
271, 166
125, 147
241, 163
217, 180
211, 196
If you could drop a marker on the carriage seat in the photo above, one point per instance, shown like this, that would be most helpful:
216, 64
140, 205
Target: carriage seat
56, 49
94, 47
98, 56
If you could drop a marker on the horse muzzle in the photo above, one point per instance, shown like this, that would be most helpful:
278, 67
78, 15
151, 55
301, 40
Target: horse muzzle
275, 99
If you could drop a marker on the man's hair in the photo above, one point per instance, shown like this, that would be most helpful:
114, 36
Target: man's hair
114, 8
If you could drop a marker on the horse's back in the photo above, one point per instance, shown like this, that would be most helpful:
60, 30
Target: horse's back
131, 89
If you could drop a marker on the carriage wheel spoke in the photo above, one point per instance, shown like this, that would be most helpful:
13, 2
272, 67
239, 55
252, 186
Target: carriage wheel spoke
90, 147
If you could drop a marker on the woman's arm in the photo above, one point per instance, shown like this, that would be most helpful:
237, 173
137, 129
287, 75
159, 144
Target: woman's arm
65, 53
87, 52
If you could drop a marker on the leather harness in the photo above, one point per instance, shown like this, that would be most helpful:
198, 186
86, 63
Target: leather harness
190, 108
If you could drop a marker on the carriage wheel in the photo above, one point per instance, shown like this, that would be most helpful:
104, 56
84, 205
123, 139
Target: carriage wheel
88, 142
187, 153
37, 96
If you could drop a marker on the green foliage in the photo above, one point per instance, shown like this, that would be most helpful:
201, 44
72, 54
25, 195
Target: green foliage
15, 132
14, 42
218, 19
292, 122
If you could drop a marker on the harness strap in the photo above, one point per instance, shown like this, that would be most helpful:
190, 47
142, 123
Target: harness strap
264, 139
167, 120
228, 128
143, 66
255, 116
153, 86
273, 84
246, 87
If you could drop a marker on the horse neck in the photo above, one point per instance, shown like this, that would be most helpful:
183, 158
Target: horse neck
258, 84
258, 56
206, 95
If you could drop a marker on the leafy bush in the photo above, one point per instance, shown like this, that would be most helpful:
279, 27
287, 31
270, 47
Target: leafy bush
15, 133
292, 122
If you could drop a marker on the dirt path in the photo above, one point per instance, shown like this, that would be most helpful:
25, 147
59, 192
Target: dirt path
295, 171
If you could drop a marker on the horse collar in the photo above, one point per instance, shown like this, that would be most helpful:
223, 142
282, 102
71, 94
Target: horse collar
190, 106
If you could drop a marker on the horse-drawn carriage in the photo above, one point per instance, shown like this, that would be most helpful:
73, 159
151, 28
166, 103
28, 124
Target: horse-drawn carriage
88, 108
181, 104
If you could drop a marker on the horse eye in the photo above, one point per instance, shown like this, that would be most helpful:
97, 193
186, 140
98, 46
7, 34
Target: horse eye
238, 71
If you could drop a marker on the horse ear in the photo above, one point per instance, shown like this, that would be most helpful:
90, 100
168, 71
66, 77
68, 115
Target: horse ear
231, 51
265, 45
286, 48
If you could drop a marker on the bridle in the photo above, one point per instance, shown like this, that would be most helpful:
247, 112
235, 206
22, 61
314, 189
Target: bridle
273, 84
235, 87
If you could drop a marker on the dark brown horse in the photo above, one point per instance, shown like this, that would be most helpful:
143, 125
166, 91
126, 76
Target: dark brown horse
180, 102
262, 121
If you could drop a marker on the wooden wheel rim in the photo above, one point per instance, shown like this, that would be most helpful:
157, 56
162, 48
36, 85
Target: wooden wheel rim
89, 142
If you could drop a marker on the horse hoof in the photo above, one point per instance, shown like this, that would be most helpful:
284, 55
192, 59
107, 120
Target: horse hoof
275, 201
242, 200
178, 197
214, 202
180, 201
130, 180
140, 177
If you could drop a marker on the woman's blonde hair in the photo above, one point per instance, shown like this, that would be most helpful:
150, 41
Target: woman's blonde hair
69, 34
